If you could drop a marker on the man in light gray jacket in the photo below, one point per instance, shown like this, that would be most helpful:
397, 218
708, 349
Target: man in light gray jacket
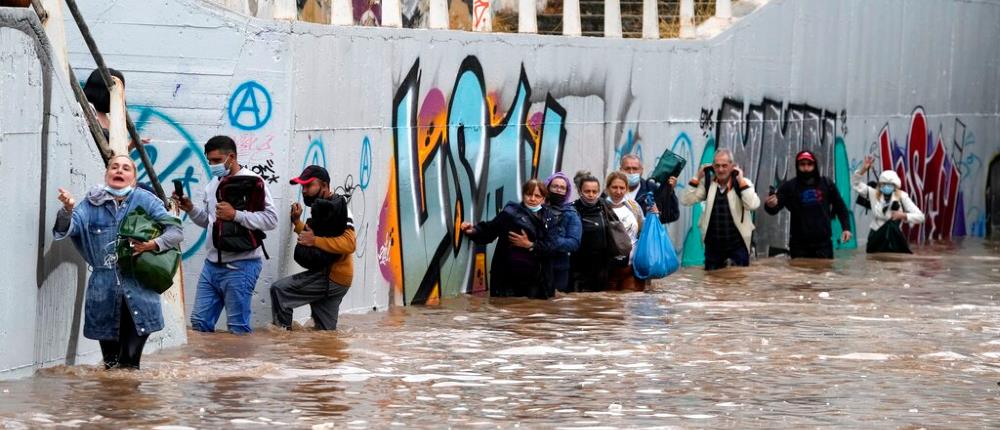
726, 224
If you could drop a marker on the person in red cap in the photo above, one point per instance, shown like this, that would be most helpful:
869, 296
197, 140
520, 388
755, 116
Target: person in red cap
812, 200
323, 285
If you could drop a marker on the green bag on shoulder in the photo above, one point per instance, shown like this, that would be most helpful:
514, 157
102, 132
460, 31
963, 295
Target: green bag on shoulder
153, 269
670, 164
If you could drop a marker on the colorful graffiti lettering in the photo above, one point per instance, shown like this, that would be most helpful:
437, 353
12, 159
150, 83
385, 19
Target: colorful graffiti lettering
457, 160
930, 176
763, 137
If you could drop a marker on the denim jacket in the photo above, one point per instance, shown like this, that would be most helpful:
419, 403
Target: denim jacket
93, 227
562, 236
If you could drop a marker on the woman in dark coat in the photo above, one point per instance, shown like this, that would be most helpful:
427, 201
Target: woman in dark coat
517, 266
589, 264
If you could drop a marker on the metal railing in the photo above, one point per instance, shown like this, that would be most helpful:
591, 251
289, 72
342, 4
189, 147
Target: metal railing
95, 129
483, 19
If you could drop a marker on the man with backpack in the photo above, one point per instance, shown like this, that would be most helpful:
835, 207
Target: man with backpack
812, 199
237, 209
325, 249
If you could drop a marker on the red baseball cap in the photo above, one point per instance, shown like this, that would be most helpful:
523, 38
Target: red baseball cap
805, 155
311, 173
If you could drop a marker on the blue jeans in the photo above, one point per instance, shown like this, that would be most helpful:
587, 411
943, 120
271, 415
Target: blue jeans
229, 285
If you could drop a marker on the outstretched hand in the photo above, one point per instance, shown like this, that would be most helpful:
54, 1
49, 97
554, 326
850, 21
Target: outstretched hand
867, 164
67, 200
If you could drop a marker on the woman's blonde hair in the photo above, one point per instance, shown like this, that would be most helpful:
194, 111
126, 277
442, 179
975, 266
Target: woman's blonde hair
616, 175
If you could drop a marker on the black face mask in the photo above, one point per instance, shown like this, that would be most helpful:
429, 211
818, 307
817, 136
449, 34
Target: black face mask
808, 179
556, 199
309, 200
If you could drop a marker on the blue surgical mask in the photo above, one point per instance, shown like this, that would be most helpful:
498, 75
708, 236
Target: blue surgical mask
887, 189
633, 179
118, 192
218, 170
534, 209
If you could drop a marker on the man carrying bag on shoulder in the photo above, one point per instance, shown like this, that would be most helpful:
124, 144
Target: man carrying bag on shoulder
325, 248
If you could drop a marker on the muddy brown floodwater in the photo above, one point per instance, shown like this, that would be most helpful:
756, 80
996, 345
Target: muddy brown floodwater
860, 342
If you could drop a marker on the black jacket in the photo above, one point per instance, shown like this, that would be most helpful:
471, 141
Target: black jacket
589, 264
514, 272
812, 202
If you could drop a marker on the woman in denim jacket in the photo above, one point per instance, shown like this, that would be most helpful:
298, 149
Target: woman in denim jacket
563, 231
120, 313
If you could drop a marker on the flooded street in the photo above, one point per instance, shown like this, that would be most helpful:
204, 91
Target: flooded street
860, 342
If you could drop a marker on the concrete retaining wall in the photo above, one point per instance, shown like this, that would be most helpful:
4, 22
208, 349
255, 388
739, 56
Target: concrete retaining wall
430, 128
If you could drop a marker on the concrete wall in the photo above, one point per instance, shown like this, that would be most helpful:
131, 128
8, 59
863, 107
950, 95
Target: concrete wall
430, 128
44, 145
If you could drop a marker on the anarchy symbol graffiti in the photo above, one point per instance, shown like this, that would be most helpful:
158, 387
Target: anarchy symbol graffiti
249, 106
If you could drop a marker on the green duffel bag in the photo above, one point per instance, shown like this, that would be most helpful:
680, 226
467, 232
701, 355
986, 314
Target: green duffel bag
670, 164
153, 269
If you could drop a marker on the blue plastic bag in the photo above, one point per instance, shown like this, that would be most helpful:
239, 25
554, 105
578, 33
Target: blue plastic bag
655, 257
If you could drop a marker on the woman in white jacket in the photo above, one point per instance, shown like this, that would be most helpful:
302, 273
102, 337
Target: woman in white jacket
891, 206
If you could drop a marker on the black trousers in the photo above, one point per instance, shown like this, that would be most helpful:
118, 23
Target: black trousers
126, 351
822, 250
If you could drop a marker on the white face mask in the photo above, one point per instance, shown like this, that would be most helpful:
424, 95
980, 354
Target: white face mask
218, 170
118, 192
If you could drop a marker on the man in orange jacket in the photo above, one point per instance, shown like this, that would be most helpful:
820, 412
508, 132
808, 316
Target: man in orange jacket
322, 290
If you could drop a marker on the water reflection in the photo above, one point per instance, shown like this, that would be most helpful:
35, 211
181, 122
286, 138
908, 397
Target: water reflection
859, 342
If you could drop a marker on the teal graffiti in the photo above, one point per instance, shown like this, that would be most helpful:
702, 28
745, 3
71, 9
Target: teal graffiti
188, 164
631, 146
842, 180
694, 247
365, 167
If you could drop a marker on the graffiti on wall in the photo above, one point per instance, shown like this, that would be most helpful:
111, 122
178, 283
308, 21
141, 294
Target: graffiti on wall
764, 138
175, 155
931, 174
457, 158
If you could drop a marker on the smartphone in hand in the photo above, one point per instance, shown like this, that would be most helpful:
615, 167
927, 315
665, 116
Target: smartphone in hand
179, 187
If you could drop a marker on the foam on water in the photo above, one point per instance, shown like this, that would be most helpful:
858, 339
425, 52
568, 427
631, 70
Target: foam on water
863, 356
